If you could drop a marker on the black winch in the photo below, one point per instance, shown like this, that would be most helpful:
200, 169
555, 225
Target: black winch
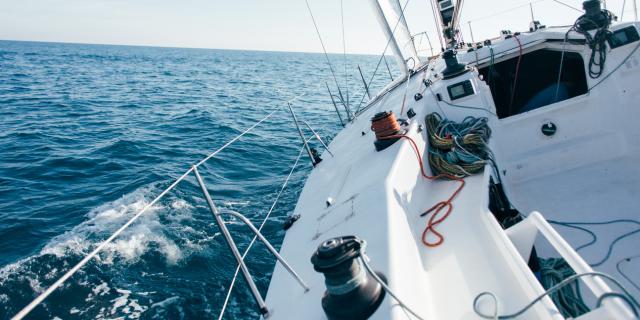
594, 17
352, 293
454, 68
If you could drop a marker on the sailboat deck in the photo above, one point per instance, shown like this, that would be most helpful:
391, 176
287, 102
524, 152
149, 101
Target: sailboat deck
586, 172
379, 197
592, 194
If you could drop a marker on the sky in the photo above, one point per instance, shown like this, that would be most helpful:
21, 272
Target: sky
272, 25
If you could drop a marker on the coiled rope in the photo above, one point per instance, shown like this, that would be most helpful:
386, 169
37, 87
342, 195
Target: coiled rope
458, 149
597, 42
39, 299
386, 126
567, 299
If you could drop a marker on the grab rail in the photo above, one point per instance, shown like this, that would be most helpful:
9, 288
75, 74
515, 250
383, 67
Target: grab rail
271, 248
324, 145
304, 141
232, 246
263, 308
234, 249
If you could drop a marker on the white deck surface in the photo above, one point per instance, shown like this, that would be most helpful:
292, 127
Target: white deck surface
587, 172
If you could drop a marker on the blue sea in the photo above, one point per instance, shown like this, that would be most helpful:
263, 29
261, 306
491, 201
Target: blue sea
90, 134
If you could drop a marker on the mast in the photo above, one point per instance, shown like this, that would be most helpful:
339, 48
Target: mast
448, 17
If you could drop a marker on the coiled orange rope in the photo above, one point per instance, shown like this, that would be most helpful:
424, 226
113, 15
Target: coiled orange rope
386, 127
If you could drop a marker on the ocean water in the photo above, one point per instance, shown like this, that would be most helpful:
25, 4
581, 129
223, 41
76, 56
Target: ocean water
89, 134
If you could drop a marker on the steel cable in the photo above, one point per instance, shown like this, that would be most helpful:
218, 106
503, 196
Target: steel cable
246, 251
39, 299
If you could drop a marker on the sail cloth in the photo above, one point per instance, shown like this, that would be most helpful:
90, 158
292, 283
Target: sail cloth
393, 13
388, 33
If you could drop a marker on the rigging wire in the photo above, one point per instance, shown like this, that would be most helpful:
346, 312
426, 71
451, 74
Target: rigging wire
406, 90
344, 53
564, 43
530, 3
455, 22
503, 11
388, 69
567, 5
436, 19
39, 299
383, 52
264, 221
426, 34
315, 25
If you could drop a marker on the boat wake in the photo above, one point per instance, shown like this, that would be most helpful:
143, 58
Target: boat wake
168, 236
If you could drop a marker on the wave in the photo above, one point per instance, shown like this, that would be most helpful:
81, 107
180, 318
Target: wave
161, 232
91, 123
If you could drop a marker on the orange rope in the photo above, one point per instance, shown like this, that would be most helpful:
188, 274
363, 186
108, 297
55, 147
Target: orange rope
435, 218
385, 126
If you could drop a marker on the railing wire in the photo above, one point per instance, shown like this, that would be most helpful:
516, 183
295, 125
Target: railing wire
39, 299
264, 221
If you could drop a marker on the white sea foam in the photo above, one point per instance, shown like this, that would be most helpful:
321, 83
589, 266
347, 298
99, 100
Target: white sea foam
35, 285
180, 205
236, 203
134, 242
166, 302
123, 304
160, 308
152, 232
101, 289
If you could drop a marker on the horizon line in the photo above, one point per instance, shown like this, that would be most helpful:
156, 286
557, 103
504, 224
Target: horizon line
186, 47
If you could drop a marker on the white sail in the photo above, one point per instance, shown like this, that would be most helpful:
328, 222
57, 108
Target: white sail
389, 35
394, 14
